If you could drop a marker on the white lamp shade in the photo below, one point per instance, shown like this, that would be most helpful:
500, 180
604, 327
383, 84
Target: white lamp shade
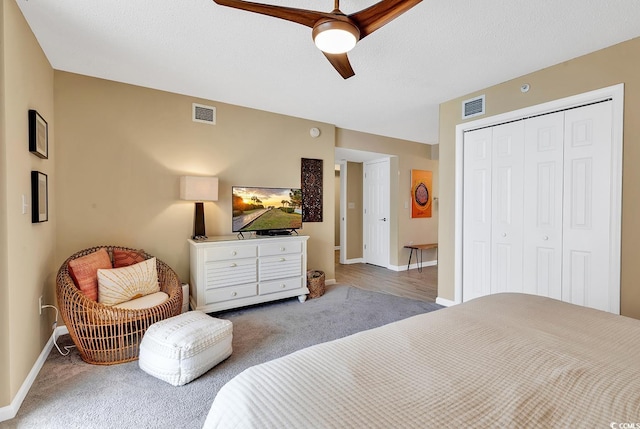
194, 188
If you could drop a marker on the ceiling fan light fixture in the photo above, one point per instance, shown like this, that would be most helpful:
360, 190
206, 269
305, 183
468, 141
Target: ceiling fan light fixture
335, 37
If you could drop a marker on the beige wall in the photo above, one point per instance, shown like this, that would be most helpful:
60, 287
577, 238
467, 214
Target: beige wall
354, 213
28, 266
336, 210
406, 156
122, 148
617, 64
5, 394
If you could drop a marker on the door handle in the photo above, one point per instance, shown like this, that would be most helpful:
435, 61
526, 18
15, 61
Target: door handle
384, 219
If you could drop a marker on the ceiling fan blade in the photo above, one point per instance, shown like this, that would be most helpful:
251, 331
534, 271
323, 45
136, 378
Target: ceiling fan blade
341, 63
300, 16
370, 19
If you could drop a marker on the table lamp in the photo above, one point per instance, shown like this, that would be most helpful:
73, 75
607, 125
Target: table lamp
199, 189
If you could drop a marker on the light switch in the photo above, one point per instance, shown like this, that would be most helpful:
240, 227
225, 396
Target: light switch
351, 205
406, 204
24, 204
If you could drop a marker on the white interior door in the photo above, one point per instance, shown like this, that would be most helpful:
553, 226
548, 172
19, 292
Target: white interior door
572, 199
507, 207
376, 212
476, 247
586, 220
543, 188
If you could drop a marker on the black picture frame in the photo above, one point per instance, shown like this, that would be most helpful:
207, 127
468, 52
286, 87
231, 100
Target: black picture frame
39, 197
38, 135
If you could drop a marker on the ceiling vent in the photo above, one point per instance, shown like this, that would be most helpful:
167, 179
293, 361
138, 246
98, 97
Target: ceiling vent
473, 107
204, 114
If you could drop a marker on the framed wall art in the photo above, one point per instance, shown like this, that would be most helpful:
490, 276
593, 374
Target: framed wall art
39, 197
421, 193
311, 190
38, 135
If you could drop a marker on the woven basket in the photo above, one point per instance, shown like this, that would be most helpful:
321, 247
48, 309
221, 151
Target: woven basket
107, 335
315, 283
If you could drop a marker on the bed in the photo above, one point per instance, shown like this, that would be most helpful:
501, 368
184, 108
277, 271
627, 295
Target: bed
504, 360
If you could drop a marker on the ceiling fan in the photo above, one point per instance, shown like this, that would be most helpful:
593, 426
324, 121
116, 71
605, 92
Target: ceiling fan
334, 33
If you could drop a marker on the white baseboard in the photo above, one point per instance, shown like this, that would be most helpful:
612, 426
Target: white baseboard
412, 266
354, 261
330, 282
445, 302
10, 411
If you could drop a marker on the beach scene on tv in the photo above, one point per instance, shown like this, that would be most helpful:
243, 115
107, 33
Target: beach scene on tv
261, 209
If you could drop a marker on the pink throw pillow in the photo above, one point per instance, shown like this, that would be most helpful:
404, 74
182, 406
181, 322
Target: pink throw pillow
84, 271
125, 258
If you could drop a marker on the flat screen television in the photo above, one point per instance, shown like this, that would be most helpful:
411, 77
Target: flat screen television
266, 211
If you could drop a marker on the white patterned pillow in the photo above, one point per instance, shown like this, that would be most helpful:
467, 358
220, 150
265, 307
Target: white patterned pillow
124, 284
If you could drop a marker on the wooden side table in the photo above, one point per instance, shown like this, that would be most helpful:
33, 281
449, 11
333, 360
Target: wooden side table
420, 247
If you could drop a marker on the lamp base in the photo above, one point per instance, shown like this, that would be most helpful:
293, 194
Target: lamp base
198, 223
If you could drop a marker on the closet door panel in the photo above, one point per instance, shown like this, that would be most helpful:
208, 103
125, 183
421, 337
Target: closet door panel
543, 167
507, 207
476, 254
586, 220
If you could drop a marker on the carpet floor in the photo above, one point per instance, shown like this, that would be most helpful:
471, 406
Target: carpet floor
69, 393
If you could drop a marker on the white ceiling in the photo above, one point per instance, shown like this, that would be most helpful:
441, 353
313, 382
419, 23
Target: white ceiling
439, 50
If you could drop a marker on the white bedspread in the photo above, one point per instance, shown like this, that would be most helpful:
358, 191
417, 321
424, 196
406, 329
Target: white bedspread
507, 360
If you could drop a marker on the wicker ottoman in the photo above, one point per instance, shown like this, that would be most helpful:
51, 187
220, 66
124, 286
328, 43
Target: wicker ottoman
182, 348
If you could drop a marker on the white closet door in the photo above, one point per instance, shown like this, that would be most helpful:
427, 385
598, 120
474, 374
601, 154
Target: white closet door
543, 167
476, 248
507, 207
587, 188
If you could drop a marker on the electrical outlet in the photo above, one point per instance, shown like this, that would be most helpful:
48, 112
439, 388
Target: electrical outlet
40, 305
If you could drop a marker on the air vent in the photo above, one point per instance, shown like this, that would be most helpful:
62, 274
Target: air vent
204, 114
473, 107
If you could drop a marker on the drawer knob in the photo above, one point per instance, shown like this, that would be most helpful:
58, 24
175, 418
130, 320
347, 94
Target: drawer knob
233, 265
283, 285
282, 259
234, 253
234, 293
282, 249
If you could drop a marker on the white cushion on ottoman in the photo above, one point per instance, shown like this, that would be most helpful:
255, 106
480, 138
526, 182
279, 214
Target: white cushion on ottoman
182, 348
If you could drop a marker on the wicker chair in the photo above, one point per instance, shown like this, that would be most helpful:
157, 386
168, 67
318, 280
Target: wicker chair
106, 335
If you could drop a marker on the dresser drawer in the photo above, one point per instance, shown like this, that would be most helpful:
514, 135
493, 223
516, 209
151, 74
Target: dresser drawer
230, 253
277, 267
230, 293
229, 273
280, 248
279, 286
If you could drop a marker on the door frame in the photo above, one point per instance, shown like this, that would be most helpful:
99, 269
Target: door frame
343, 211
616, 94
386, 160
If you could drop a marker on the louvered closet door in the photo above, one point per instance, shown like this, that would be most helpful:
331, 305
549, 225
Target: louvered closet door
476, 238
586, 220
543, 187
507, 207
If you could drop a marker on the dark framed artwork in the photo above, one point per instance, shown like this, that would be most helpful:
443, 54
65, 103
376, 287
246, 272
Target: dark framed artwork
39, 197
38, 135
311, 190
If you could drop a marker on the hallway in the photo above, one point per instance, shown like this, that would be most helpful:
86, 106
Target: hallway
410, 284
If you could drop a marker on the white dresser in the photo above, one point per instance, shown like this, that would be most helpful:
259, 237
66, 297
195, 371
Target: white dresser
227, 272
